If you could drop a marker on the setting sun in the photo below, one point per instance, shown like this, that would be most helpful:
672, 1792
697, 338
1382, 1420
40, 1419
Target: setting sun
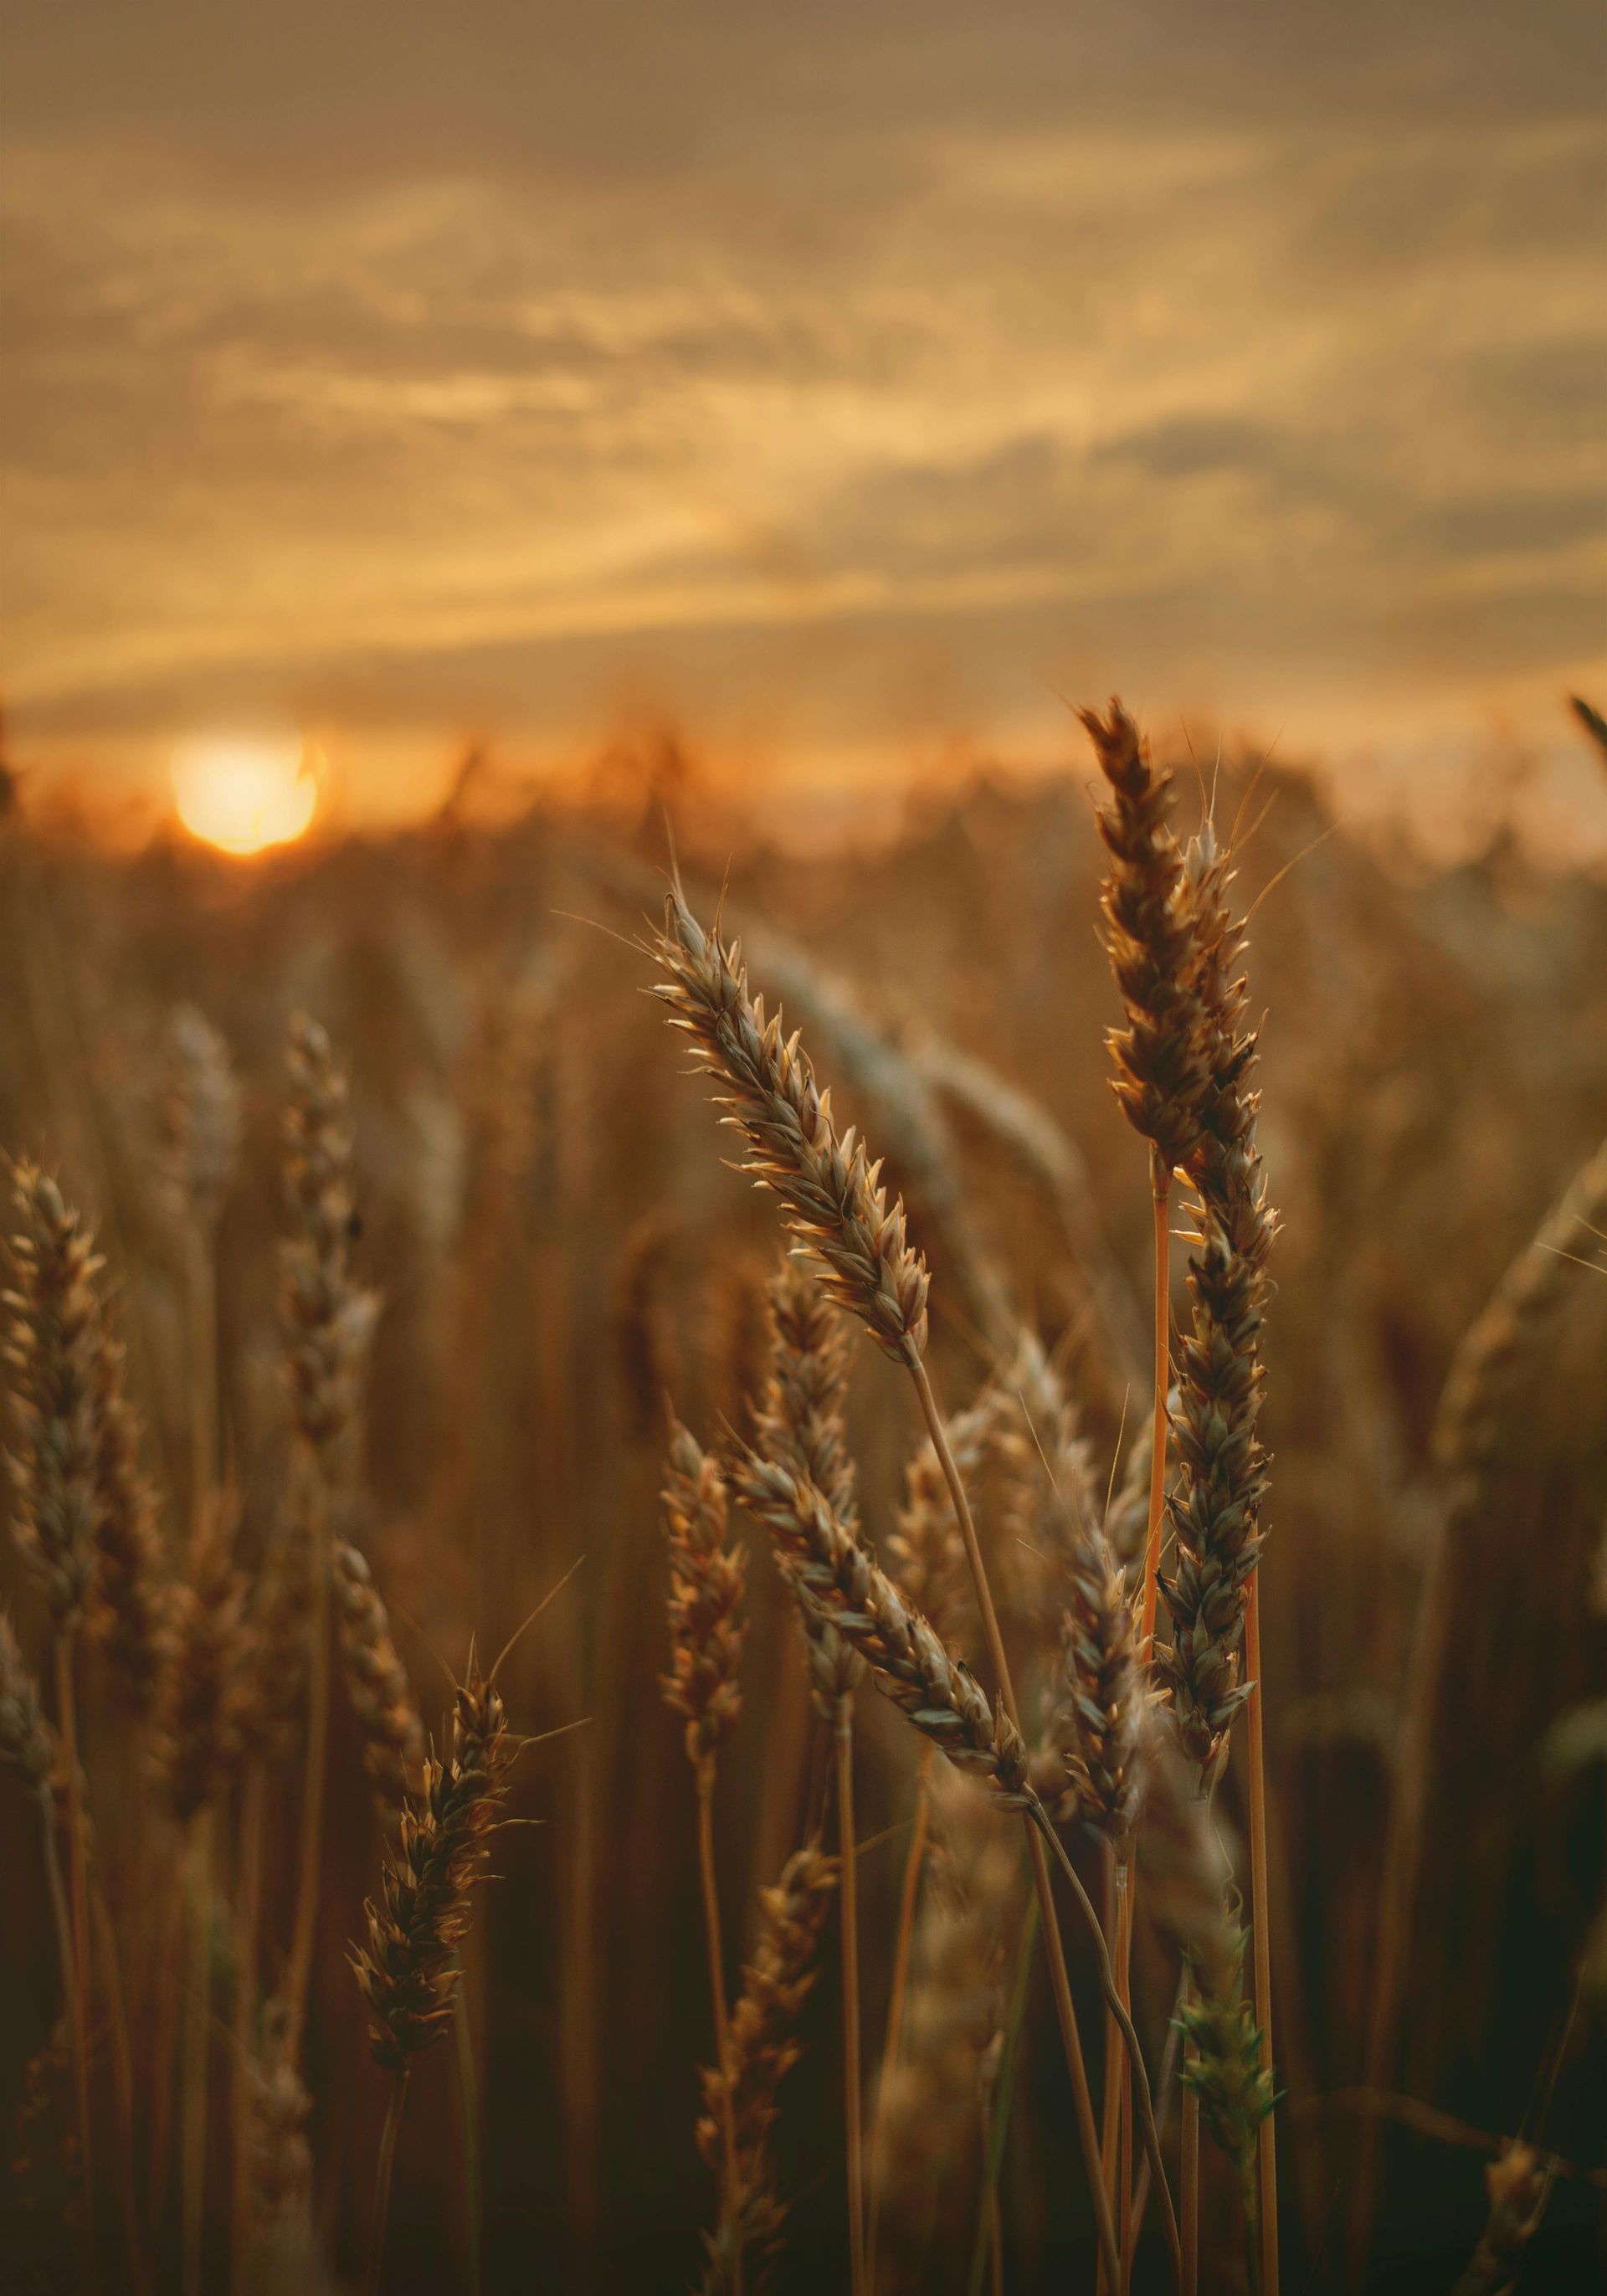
244, 796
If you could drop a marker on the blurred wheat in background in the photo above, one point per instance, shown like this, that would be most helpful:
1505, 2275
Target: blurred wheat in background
536, 1757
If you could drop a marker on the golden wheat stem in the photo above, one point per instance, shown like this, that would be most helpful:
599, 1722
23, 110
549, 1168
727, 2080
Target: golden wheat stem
1055, 1953
1266, 2138
1188, 2186
385, 2169
1040, 1826
122, 2075
60, 1915
164, 2047
843, 1736
247, 1905
304, 1935
717, 1992
1162, 1183
67, 1723
192, 2170
1121, 2138
897, 1989
468, 2106
1111, 2094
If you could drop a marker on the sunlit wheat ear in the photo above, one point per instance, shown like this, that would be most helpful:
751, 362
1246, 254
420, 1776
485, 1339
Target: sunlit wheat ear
200, 1115
909, 1662
53, 1345
390, 1731
198, 1712
1216, 1506
1149, 930
1518, 2186
799, 1419
326, 1317
763, 2048
1103, 1713
131, 1599
706, 1575
830, 1190
407, 1970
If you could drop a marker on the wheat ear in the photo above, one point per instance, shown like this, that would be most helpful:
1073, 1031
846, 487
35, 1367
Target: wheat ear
390, 1731
53, 1345
835, 1204
409, 1970
764, 2048
326, 1322
706, 1637
801, 1418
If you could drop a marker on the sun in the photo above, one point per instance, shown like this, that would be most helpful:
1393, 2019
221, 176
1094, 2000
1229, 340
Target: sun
245, 794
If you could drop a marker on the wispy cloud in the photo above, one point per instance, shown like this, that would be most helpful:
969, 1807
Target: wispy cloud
831, 399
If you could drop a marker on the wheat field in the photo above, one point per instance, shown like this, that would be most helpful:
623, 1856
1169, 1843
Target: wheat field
990, 1677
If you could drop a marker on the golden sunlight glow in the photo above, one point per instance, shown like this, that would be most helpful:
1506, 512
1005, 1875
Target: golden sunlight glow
243, 796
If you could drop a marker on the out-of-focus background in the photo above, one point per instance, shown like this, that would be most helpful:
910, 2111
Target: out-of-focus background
451, 461
846, 387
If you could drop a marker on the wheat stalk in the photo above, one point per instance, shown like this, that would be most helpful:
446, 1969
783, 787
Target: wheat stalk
52, 1345
326, 1324
800, 1419
407, 1973
763, 2049
706, 1638
833, 1202
390, 1731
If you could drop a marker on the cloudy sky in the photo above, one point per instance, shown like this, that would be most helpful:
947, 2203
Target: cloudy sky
846, 382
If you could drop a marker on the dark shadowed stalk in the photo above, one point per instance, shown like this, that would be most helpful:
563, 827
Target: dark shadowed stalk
384, 2172
1473, 1425
842, 1734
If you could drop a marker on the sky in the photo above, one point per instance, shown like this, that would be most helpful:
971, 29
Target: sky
850, 386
